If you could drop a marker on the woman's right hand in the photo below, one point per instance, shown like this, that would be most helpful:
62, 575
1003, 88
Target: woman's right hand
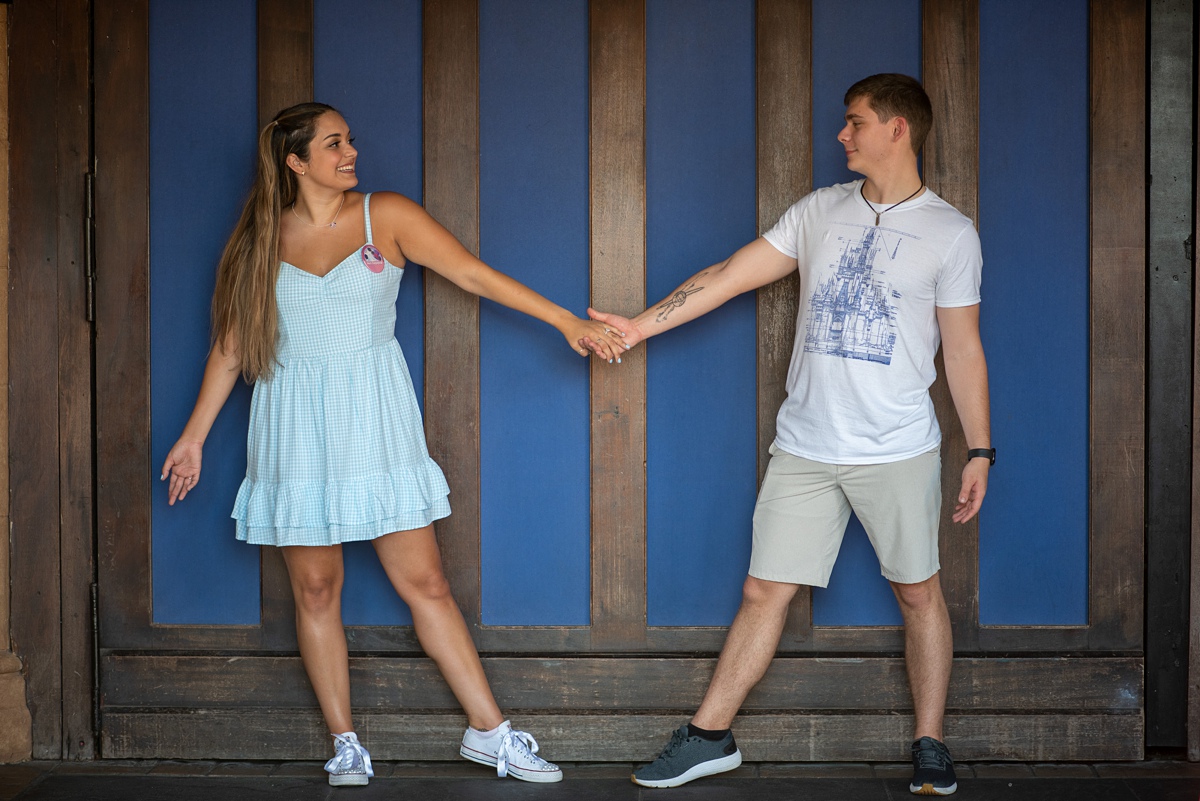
183, 468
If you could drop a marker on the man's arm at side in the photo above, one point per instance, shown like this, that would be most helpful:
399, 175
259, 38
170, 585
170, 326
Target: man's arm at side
754, 265
966, 374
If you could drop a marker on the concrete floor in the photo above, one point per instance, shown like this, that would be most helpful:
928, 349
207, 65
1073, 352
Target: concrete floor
1162, 780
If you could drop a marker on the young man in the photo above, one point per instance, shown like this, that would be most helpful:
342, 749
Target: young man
888, 269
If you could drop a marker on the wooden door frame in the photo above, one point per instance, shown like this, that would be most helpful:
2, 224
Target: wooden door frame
50, 362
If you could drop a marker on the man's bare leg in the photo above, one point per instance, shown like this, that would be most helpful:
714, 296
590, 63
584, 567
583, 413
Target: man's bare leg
706, 746
748, 651
928, 652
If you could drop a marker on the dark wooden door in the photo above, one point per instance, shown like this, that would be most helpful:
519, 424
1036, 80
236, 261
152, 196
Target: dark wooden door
601, 152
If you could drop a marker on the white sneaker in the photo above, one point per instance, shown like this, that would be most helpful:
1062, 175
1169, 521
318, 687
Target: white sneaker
351, 765
514, 753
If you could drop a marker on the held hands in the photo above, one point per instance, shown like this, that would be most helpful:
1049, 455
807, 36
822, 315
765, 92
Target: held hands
974, 487
628, 331
183, 468
605, 340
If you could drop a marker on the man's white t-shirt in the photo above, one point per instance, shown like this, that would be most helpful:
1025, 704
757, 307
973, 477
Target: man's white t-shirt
867, 332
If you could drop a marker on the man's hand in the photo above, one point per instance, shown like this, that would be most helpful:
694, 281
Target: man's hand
631, 334
974, 487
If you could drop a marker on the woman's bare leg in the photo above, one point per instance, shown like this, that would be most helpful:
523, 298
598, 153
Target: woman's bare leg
316, 575
414, 566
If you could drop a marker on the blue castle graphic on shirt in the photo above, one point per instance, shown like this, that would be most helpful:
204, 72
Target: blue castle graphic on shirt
851, 313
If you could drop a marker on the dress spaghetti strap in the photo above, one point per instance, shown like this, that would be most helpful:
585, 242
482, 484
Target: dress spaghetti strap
367, 216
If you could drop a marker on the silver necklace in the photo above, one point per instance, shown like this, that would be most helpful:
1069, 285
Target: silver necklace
330, 224
889, 208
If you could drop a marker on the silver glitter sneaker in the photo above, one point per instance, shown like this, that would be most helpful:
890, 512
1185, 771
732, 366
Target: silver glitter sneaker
351, 765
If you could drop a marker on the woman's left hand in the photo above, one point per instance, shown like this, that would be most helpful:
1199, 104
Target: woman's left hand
593, 335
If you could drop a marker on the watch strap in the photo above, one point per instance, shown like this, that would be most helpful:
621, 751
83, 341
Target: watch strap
987, 453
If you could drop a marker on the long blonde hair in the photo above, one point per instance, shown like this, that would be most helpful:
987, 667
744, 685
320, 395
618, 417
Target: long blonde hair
243, 310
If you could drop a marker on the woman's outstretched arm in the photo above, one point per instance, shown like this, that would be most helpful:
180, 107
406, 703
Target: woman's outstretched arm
423, 240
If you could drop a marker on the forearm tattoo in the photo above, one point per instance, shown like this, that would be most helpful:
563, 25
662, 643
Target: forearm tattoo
679, 298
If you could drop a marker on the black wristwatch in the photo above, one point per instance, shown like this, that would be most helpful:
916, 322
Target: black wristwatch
987, 453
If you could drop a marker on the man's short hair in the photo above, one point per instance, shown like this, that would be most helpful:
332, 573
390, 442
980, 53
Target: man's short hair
890, 94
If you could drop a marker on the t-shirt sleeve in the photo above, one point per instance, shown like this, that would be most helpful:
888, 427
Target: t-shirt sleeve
958, 280
785, 235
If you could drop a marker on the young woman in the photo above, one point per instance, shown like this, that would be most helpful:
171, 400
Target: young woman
336, 450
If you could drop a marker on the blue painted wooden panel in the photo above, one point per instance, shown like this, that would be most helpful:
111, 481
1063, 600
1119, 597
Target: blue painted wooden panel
700, 199
534, 420
1033, 208
203, 126
367, 64
851, 40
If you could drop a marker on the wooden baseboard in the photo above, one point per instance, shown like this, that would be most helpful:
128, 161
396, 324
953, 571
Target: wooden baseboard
877, 737
616, 684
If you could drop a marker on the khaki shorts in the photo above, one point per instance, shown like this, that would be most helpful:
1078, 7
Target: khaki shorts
803, 508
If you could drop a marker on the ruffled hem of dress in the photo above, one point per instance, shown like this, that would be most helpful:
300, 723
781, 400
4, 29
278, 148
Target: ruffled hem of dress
350, 509
338, 534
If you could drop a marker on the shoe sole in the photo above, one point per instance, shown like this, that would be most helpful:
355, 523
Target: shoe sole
348, 780
695, 772
535, 776
929, 789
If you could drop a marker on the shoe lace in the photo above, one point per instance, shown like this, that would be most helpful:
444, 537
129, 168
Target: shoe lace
514, 744
677, 741
932, 757
349, 751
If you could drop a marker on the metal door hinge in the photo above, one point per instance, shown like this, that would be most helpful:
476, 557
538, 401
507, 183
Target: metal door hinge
89, 245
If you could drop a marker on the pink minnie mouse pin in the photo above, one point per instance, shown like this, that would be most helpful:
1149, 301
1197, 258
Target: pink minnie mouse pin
372, 258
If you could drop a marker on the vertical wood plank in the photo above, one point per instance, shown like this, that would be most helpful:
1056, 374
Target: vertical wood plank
285, 55
5, 630
285, 77
122, 142
1170, 301
618, 276
1118, 295
1193, 692
950, 69
16, 744
33, 353
75, 379
784, 122
451, 92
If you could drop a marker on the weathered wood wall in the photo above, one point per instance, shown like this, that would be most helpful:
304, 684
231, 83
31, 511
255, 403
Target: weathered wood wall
1078, 695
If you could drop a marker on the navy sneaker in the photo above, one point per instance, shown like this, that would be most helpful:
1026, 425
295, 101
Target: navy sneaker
933, 769
686, 758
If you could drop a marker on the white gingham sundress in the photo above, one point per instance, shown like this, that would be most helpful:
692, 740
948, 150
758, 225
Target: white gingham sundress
336, 450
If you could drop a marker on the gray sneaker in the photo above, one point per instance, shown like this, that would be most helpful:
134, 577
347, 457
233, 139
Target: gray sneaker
933, 769
686, 758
